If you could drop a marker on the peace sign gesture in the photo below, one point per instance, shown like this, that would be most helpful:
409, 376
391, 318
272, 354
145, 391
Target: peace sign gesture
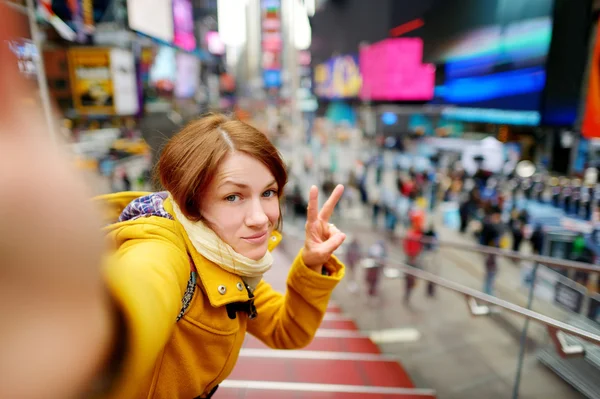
322, 237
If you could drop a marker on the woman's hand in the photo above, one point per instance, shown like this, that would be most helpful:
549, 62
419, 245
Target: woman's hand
322, 237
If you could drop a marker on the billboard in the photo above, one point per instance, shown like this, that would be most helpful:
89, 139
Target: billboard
152, 17
94, 74
91, 80
490, 59
188, 75
591, 119
392, 70
271, 43
338, 78
183, 25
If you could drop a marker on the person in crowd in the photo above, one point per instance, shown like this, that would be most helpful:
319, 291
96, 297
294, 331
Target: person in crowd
517, 230
524, 217
379, 168
362, 184
491, 269
491, 233
353, 256
429, 248
413, 246
537, 239
376, 205
467, 209
377, 256
298, 203
580, 254
578, 247
388, 200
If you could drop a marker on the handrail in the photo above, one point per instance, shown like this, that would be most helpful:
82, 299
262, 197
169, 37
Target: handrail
549, 322
483, 249
480, 296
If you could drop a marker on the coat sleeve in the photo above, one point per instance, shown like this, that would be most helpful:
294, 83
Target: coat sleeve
290, 321
147, 279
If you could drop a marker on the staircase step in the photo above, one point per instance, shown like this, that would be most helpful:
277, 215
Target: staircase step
333, 309
359, 344
321, 368
579, 373
344, 324
238, 389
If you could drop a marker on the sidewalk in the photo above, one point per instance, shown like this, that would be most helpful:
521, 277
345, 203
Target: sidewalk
437, 340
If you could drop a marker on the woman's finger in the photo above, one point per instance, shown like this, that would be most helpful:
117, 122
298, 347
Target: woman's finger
332, 230
312, 212
332, 201
333, 243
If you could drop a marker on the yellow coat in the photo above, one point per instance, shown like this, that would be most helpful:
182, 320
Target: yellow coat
148, 274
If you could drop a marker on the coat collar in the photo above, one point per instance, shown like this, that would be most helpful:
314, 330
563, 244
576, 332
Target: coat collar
212, 277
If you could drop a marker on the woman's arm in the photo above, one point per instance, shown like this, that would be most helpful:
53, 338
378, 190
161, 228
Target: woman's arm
290, 321
56, 323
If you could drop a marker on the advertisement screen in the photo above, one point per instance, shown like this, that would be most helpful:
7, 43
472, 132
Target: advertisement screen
489, 54
151, 17
188, 75
183, 18
91, 80
271, 43
393, 70
338, 78
591, 118
122, 63
163, 71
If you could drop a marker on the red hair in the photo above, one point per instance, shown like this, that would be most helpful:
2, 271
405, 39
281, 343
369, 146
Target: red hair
192, 157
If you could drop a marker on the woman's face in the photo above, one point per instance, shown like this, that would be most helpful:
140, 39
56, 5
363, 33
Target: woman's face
241, 204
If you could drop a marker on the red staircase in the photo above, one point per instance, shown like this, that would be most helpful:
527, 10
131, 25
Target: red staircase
339, 363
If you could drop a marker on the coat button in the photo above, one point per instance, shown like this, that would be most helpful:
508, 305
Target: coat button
240, 286
222, 289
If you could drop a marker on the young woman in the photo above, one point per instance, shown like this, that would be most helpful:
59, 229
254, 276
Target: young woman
187, 269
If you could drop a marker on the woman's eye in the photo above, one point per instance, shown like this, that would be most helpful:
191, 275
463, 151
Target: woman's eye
270, 193
232, 198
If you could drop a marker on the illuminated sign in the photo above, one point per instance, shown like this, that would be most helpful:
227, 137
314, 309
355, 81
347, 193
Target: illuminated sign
271, 43
338, 78
591, 118
393, 70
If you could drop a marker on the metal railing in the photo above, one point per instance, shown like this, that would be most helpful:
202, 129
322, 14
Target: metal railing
541, 259
480, 296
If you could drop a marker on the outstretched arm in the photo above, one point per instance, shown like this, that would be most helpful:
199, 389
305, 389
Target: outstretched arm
56, 322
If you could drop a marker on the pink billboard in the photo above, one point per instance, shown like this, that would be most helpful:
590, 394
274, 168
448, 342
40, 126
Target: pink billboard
183, 24
392, 70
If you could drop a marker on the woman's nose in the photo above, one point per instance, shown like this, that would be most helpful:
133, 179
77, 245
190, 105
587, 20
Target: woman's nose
256, 215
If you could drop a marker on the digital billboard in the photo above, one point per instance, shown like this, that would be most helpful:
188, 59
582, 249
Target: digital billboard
392, 70
489, 56
338, 78
183, 25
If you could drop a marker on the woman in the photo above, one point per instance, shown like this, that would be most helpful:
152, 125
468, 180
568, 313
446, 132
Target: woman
188, 266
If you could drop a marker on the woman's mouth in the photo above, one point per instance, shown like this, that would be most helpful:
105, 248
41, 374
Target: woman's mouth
258, 238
